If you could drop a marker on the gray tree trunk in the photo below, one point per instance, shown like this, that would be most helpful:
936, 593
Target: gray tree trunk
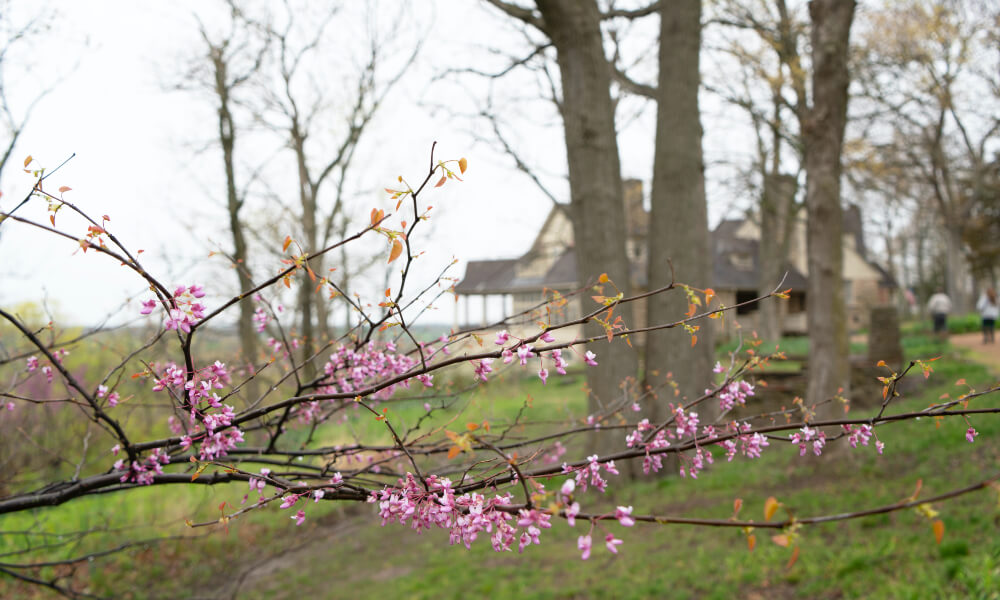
234, 204
777, 218
679, 217
596, 209
823, 136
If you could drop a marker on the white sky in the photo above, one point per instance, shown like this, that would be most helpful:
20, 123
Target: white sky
144, 155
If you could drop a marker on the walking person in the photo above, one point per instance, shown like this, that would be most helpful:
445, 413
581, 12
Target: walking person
939, 306
988, 309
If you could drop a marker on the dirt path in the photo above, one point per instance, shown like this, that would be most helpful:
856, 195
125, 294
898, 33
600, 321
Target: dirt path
987, 354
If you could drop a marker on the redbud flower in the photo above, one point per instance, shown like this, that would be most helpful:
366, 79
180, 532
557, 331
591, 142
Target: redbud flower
523, 354
590, 358
32, 363
970, 434
148, 306
583, 544
622, 513
718, 367
612, 543
299, 517
502, 337
547, 337
543, 374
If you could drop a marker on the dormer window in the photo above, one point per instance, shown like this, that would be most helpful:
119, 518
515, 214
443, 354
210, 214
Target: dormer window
741, 260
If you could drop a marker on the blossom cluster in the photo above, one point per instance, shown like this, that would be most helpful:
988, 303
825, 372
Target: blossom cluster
354, 369
523, 352
185, 309
464, 516
142, 472
205, 408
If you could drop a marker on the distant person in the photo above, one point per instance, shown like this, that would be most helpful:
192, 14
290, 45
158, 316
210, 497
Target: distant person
939, 306
988, 309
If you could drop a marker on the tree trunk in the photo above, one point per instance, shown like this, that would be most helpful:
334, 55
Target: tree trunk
955, 268
777, 218
823, 136
306, 295
679, 217
227, 139
595, 183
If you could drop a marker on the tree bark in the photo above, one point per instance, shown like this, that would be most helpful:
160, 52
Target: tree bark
596, 209
234, 204
777, 218
679, 216
823, 136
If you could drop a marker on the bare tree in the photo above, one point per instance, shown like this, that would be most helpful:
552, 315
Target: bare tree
574, 29
823, 136
16, 113
679, 243
930, 81
321, 126
230, 61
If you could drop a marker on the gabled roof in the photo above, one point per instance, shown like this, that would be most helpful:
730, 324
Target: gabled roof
728, 273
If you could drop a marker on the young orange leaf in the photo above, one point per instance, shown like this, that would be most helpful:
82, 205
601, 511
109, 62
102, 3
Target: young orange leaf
397, 249
770, 507
27, 160
795, 557
709, 294
603, 278
737, 505
781, 540
462, 164
454, 451
441, 181
751, 542
64, 189
288, 242
694, 340
880, 363
938, 527
472, 426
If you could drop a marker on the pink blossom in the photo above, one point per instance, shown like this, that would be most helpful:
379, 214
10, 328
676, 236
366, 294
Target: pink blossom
571, 511
547, 337
567, 488
524, 353
299, 517
102, 391
502, 337
260, 319
426, 379
590, 358
612, 543
10, 406
483, 368
543, 374
970, 434
48, 373
32, 363
507, 356
583, 543
148, 306
113, 399
116, 449
623, 514
718, 368
289, 501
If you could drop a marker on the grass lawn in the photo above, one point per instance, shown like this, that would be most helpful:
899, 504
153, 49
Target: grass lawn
343, 552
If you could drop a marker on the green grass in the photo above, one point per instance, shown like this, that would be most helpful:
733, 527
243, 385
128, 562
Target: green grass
347, 554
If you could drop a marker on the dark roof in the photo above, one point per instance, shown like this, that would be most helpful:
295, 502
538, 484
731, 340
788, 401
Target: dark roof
735, 262
487, 277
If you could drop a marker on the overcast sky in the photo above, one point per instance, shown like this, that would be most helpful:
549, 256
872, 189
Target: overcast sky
144, 155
